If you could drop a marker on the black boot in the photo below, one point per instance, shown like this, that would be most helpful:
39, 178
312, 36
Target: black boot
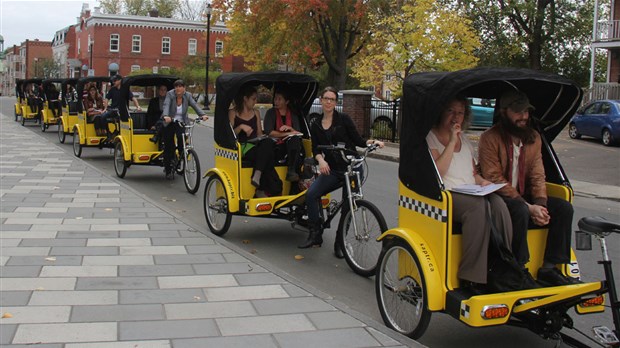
338, 250
315, 238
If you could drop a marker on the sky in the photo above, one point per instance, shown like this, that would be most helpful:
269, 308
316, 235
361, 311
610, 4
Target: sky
40, 19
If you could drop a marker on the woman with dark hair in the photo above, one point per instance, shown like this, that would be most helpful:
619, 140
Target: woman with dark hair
94, 108
329, 128
246, 123
175, 108
282, 123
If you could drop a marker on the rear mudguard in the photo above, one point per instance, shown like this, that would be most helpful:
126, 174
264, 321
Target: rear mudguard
435, 290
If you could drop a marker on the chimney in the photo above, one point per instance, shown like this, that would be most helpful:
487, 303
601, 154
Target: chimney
154, 13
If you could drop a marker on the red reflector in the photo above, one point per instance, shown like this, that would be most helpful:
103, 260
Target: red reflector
263, 207
596, 301
494, 311
324, 202
94, 141
144, 157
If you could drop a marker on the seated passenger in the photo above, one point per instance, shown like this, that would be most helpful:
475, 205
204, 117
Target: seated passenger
175, 108
282, 123
454, 157
93, 103
53, 100
154, 111
71, 98
245, 121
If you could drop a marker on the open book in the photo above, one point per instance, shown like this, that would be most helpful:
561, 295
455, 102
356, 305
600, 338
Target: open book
477, 190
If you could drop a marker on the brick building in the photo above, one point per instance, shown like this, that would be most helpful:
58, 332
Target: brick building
24, 61
106, 44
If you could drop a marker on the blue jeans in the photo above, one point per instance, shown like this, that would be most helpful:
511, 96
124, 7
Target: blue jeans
322, 185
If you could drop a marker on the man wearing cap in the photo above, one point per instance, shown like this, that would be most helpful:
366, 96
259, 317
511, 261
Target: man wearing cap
114, 95
510, 152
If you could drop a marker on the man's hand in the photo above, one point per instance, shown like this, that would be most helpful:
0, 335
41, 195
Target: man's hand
539, 214
204, 117
167, 119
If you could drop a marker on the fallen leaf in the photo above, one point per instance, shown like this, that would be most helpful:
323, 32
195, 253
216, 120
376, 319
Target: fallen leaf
245, 221
250, 269
245, 241
7, 315
50, 259
108, 209
253, 251
196, 298
39, 289
299, 257
78, 218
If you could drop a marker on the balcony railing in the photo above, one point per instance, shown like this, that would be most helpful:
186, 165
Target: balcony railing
602, 91
608, 30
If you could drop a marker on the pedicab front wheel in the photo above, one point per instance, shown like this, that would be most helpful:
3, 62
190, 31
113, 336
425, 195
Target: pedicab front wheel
361, 250
77, 147
191, 173
120, 165
216, 206
401, 290
61, 132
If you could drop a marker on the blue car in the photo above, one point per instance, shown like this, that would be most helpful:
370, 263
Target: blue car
599, 119
482, 112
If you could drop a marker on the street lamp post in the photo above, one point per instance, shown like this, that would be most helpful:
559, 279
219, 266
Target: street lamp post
36, 63
206, 102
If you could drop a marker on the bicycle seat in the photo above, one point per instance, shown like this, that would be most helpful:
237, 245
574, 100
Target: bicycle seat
597, 224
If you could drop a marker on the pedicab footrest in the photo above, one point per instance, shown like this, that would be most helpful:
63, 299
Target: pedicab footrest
489, 309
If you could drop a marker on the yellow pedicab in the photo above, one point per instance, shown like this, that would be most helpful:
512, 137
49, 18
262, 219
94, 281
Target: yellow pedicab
417, 270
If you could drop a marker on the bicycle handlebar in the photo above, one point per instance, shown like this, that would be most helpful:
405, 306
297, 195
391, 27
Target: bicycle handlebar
348, 155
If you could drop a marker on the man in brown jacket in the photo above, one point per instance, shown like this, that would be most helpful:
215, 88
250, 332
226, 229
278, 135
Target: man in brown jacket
510, 152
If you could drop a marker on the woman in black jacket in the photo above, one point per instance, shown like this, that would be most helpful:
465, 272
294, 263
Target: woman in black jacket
330, 128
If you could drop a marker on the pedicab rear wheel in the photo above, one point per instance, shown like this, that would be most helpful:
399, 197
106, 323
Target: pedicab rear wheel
61, 132
120, 165
191, 172
401, 289
361, 251
216, 206
77, 147
43, 126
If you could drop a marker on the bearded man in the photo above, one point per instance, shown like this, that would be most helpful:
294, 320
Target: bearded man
510, 152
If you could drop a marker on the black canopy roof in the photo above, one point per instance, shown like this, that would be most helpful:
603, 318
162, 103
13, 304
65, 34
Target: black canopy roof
555, 98
302, 89
147, 80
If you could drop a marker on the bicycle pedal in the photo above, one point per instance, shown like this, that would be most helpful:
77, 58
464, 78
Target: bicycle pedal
604, 335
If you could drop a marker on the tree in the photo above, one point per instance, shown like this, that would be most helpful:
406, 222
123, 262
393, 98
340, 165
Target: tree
421, 35
191, 10
298, 33
166, 8
539, 34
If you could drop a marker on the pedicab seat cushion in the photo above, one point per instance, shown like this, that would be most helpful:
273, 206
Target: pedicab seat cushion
140, 124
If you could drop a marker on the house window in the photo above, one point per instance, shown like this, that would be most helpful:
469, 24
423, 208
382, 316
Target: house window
135, 68
219, 49
114, 42
136, 43
191, 47
165, 45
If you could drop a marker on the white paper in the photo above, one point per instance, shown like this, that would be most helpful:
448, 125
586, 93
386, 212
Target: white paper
477, 190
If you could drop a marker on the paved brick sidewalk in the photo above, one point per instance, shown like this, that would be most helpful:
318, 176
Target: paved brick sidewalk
86, 262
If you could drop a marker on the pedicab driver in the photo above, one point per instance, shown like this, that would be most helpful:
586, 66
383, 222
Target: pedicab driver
510, 152
175, 108
114, 96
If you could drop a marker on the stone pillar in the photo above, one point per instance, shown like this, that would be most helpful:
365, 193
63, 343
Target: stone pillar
356, 104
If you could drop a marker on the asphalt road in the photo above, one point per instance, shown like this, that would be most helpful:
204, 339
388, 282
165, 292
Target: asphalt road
275, 241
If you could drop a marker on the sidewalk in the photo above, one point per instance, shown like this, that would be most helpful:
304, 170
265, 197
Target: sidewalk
88, 262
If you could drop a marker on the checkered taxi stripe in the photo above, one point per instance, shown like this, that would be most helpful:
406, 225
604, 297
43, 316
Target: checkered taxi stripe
464, 310
423, 208
232, 155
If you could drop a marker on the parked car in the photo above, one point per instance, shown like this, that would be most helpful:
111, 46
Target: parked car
599, 119
482, 112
